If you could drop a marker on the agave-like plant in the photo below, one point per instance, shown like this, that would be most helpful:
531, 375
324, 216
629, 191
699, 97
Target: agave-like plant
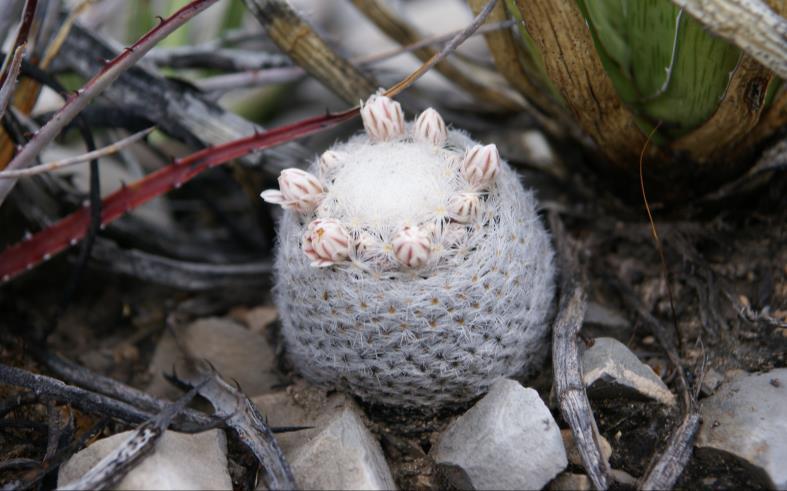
624, 70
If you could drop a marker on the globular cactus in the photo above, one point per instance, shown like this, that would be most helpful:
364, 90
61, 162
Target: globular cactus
423, 273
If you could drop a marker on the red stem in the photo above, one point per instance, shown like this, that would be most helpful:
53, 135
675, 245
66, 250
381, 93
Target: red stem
68, 231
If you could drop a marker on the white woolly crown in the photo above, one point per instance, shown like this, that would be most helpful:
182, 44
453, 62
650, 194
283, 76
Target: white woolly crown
412, 268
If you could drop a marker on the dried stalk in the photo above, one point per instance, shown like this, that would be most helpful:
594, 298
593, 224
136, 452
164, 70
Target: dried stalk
84, 400
297, 39
243, 417
257, 78
114, 467
570, 390
749, 24
231, 60
89, 380
96, 85
184, 114
665, 471
401, 31
85, 157
186, 275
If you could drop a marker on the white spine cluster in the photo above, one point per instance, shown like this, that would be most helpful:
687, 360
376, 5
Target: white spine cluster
414, 270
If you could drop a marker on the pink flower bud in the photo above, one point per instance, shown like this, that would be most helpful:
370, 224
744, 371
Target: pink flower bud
464, 207
382, 118
430, 128
298, 190
412, 247
481, 165
326, 242
329, 162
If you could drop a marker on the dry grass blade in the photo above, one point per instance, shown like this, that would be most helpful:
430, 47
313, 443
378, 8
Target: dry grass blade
85, 157
574, 404
749, 24
298, 40
402, 32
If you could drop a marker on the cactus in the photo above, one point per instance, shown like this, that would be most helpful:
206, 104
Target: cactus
423, 274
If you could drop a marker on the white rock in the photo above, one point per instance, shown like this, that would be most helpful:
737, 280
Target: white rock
237, 353
572, 452
611, 369
180, 461
507, 440
747, 418
338, 453
710, 382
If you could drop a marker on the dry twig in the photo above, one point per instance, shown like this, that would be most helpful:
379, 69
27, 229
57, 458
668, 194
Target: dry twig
112, 468
61, 164
243, 417
574, 404
96, 85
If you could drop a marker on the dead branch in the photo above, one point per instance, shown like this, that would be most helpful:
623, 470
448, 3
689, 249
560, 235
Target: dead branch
181, 112
574, 404
226, 59
404, 33
84, 400
96, 85
112, 468
186, 275
61, 164
665, 471
109, 387
243, 417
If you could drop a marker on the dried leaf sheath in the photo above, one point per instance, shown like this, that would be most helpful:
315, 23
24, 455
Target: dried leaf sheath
296, 38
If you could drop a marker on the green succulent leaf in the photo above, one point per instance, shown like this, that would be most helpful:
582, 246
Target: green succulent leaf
663, 63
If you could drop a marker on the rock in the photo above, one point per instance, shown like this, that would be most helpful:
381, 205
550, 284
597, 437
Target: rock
256, 319
623, 478
600, 315
710, 382
746, 418
344, 455
237, 353
338, 453
180, 461
610, 370
507, 440
569, 481
572, 452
